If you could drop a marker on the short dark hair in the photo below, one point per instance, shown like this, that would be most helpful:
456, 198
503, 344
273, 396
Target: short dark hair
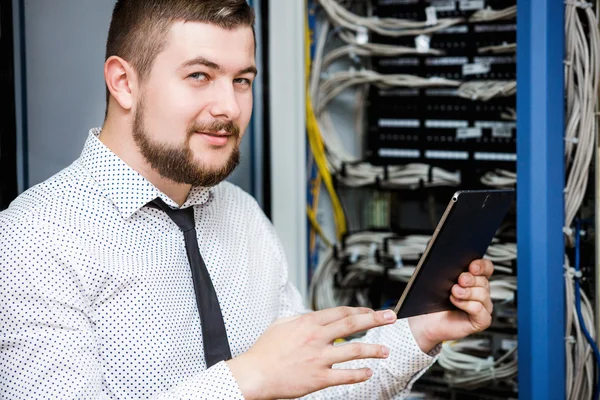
138, 28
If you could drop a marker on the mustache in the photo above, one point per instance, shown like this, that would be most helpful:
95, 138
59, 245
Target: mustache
215, 126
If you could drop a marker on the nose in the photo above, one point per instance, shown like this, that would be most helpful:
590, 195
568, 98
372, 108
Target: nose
225, 103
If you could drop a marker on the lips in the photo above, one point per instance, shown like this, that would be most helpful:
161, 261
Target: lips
216, 134
217, 139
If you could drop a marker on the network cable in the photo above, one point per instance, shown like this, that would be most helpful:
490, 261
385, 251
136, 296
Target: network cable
384, 26
345, 272
582, 322
347, 269
582, 72
488, 14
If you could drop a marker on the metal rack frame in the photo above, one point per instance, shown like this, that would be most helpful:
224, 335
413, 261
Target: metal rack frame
540, 200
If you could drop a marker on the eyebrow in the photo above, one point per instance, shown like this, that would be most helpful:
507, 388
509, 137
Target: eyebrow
212, 65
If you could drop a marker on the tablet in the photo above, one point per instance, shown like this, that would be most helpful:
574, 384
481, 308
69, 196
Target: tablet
463, 234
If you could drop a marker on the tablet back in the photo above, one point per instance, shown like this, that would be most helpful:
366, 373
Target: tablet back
463, 234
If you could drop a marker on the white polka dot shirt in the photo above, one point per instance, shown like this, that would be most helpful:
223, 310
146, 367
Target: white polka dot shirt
97, 300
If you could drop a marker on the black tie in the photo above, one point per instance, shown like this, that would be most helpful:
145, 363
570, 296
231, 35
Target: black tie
216, 346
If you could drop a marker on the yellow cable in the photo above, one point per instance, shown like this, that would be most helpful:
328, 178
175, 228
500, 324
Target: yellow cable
315, 224
317, 147
315, 188
316, 191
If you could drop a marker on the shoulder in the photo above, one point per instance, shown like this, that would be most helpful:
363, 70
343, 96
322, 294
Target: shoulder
43, 206
238, 204
242, 210
232, 197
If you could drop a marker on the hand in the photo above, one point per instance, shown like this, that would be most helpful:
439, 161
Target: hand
472, 296
294, 356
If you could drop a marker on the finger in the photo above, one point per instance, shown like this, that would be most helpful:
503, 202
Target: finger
480, 318
467, 280
358, 323
482, 267
355, 351
337, 377
479, 294
325, 317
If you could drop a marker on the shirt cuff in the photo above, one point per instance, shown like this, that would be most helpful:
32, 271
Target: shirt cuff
433, 353
421, 361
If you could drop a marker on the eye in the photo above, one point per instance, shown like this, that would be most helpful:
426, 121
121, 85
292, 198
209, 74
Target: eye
198, 76
243, 81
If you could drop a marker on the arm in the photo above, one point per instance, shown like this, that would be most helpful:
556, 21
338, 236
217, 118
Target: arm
296, 357
293, 357
393, 376
423, 333
48, 347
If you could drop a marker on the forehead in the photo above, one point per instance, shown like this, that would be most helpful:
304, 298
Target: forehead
230, 48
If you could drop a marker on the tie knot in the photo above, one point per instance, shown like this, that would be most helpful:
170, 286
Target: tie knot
184, 218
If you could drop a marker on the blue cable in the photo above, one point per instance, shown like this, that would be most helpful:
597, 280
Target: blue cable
578, 307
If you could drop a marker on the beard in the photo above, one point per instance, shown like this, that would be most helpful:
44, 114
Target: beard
177, 163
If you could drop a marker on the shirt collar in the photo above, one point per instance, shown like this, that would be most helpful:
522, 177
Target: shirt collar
122, 185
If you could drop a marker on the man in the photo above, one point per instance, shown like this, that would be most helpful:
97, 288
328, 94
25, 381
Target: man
102, 285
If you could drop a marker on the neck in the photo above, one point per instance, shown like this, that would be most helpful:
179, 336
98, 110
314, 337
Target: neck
118, 137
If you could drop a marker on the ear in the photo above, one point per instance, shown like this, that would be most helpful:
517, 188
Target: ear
121, 81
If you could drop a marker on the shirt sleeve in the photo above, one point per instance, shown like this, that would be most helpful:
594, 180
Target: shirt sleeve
393, 377
48, 347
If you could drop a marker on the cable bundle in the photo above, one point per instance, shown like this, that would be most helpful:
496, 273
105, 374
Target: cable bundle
322, 91
502, 253
339, 81
321, 291
470, 372
317, 148
365, 258
487, 14
326, 145
499, 178
355, 48
579, 354
499, 49
582, 72
485, 90
409, 176
347, 269
384, 26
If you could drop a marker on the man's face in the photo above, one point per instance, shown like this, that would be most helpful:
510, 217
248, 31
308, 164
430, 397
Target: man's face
196, 103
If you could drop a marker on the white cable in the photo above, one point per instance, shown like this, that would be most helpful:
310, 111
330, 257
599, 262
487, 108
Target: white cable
503, 288
337, 82
499, 49
499, 178
361, 173
485, 90
510, 114
362, 268
471, 372
582, 73
579, 358
384, 26
487, 14
369, 49
358, 173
